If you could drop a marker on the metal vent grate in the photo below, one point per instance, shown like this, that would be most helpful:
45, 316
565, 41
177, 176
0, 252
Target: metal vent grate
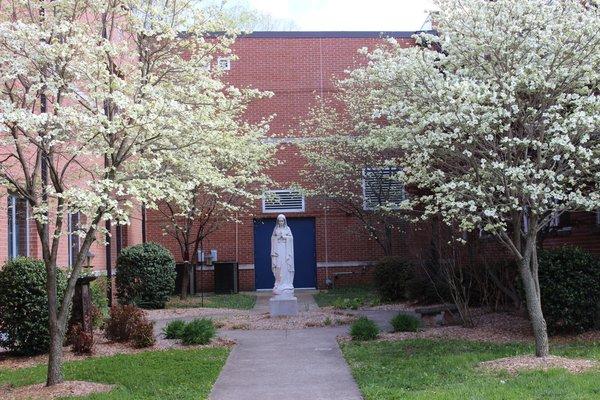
283, 201
381, 189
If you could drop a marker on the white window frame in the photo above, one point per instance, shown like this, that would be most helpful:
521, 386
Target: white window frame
227, 62
282, 210
70, 235
392, 170
12, 231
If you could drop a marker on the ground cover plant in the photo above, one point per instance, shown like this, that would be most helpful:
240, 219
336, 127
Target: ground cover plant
436, 369
348, 297
364, 329
172, 374
198, 331
405, 323
240, 301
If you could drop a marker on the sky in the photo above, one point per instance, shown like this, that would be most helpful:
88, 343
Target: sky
349, 15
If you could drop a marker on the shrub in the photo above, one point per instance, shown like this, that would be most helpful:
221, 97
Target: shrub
364, 329
142, 334
199, 331
24, 305
391, 277
122, 321
145, 275
405, 323
174, 329
570, 289
98, 290
82, 342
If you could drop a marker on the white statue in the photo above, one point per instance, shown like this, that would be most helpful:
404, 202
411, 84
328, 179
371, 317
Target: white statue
282, 257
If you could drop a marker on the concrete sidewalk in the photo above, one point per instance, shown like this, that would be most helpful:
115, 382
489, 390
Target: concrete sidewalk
286, 365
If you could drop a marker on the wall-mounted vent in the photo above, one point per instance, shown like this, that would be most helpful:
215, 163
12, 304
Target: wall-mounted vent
381, 189
276, 201
224, 64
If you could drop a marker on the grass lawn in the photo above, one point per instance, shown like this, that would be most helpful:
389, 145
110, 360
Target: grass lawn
434, 369
348, 297
172, 374
240, 301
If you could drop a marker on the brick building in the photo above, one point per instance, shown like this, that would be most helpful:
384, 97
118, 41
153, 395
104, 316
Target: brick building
331, 246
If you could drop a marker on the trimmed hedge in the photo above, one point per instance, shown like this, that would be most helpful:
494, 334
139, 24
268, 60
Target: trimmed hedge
145, 275
24, 305
570, 289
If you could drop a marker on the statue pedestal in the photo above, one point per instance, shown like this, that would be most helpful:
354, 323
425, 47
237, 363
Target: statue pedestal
283, 305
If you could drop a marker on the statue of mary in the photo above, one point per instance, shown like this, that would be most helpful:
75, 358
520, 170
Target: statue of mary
282, 257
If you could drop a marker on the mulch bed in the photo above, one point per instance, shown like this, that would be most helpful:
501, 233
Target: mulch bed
103, 348
41, 392
514, 365
244, 320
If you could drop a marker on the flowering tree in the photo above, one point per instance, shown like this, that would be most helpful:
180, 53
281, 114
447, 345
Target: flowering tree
498, 120
209, 190
96, 101
345, 170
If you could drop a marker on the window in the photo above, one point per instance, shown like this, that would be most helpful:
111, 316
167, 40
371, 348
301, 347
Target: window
276, 201
18, 226
74, 241
560, 220
381, 189
224, 63
597, 217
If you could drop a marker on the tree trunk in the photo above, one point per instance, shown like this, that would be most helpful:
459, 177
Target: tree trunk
55, 375
185, 281
528, 269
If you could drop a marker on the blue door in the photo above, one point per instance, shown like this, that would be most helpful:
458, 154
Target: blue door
305, 261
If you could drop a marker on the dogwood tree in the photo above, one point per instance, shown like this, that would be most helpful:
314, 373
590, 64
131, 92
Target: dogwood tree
97, 98
228, 177
345, 171
497, 118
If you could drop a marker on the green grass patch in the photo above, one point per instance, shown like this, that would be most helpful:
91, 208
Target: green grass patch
172, 374
241, 301
348, 297
447, 370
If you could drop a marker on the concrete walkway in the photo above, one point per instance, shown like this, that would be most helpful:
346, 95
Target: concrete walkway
286, 365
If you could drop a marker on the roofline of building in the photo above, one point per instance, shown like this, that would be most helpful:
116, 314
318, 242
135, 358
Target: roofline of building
331, 34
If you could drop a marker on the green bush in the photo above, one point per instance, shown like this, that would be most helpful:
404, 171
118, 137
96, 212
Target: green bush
199, 331
98, 292
405, 323
364, 329
24, 305
391, 277
145, 275
174, 329
570, 289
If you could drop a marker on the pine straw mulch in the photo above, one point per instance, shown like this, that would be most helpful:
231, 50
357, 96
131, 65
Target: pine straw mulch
104, 348
514, 365
41, 392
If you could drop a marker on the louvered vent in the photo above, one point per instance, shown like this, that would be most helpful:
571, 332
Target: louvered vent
275, 201
381, 189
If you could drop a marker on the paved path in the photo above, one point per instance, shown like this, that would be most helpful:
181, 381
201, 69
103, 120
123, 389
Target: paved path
286, 364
